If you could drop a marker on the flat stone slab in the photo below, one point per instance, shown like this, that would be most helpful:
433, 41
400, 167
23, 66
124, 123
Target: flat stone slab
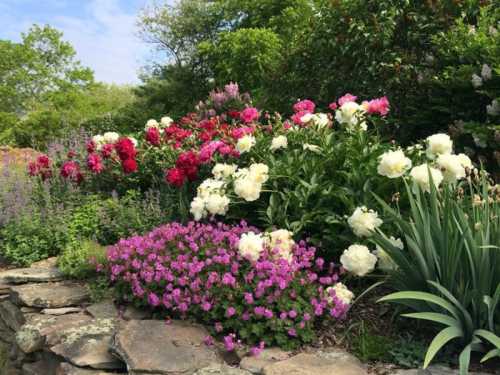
221, 370
103, 310
11, 315
313, 364
69, 369
61, 311
30, 275
50, 295
46, 263
434, 370
255, 364
151, 346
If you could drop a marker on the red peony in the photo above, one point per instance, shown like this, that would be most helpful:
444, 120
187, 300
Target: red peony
129, 166
187, 160
125, 149
71, 170
94, 163
153, 136
43, 161
91, 147
33, 169
71, 154
175, 177
107, 150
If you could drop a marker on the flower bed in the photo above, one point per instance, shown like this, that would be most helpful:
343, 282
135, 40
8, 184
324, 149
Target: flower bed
259, 287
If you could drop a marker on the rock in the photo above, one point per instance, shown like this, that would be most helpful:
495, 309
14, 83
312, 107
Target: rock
312, 364
89, 351
7, 335
30, 275
46, 263
255, 364
50, 295
29, 340
434, 370
4, 289
132, 313
11, 315
29, 310
218, 369
47, 365
61, 311
103, 310
69, 369
151, 346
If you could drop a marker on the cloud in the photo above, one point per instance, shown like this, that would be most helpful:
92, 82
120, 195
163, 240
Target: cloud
103, 32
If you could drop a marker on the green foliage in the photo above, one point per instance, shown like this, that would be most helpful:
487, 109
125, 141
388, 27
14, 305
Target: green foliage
369, 346
99, 288
449, 273
33, 237
408, 352
79, 260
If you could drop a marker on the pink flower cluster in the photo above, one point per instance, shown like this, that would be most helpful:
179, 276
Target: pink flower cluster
302, 108
195, 270
40, 167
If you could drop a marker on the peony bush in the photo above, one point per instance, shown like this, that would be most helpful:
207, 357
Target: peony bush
263, 288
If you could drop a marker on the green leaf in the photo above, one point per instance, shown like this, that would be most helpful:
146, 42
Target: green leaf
489, 336
491, 354
435, 317
464, 360
441, 339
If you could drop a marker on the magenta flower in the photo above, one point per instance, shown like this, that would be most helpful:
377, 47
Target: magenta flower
346, 99
249, 115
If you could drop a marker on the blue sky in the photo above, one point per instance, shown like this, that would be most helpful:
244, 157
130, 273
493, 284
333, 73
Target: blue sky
103, 32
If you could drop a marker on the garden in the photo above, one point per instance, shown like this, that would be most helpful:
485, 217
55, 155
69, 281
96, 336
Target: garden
281, 227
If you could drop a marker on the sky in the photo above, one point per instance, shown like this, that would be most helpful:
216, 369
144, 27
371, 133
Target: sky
103, 32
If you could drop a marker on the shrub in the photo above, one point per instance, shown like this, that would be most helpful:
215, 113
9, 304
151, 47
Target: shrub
79, 260
261, 287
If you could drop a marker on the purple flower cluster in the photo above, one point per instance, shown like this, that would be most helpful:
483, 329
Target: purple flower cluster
195, 270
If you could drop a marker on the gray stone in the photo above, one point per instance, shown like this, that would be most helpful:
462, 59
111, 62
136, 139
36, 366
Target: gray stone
69, 369
89, 351
151, 346
255, 364
47, 365
434, 370
132, 313
29, 340
46, 263
7, 335
50, 295
220, 369
62, 311
103, 310
311, 364
4, 289
30, 275
11, 315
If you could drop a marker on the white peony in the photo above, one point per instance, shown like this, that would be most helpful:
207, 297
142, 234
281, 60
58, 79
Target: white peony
420, 176
341, 292
111, 137
476, 81
221, 170
279, 142
385, 262
99, 141
210, 186
217, 204
465, 161
393, 164
493, 109
321, 120
282, 239
245, 143
198, 208
251, 245
351, 114
451, 167
358, 260
166, 121
363, 222
306, 118
247, 188
259, 172
309, 147
439, 144
151, 124
486, 72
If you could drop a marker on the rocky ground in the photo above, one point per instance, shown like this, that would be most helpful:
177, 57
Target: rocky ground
49, 327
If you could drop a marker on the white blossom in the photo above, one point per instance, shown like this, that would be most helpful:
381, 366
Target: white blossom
309, 147
341, 292
152, 123
451, 167
476, 81
221, 170
420, 176
251, 245
393, 164
245, 143
493, 109
439, 144
198, 208
166, 121
486, 72
358, 260
259, 172
279, 142
364, 222
111, 137
351, 114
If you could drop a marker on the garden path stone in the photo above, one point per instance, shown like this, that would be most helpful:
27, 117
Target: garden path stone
11, 315
221, 369
103, 310
30, 275
313, 364
88, 345
133, 313
50, 295
151, 346
255, 364
46, 263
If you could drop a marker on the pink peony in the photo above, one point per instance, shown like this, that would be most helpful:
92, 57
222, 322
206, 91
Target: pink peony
306, 106
346, 99
249, 114
378, 106
94, 163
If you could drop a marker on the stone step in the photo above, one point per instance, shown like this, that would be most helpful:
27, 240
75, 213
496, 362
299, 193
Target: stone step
50, 295
30, 275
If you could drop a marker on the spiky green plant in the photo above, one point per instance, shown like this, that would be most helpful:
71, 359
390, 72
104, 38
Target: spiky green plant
450, 271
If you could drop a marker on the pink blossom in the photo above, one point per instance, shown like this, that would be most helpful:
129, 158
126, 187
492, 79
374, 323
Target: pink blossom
346, 99
249, 114
378, 106
306, 106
